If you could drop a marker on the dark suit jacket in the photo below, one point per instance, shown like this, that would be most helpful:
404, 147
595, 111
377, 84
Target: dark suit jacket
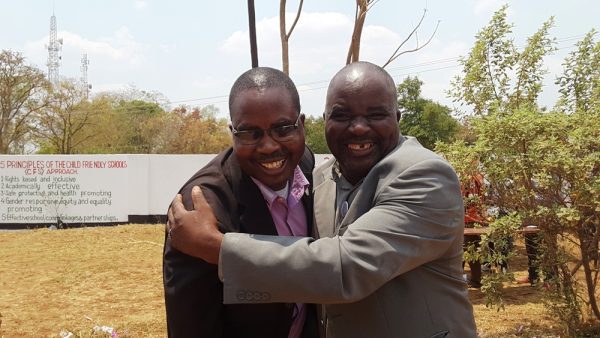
193, 291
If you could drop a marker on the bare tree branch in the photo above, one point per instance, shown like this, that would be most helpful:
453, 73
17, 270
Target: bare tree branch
362, 7
295, 20
285, 36
414, 32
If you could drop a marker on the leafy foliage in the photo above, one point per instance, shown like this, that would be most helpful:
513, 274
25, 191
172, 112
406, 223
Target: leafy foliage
541, 168
580, 82
23, 91
196, 131
60, 127
422, 118
114, 123
496, 76
314, 129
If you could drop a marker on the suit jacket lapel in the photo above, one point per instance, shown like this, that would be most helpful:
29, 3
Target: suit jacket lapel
307, 164
324, 196
253, 214
363, 195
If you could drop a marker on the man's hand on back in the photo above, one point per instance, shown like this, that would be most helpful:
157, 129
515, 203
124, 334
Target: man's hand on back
195, 232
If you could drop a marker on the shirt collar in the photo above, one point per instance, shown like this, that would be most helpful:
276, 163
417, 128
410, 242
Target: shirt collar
298, 185
340, 180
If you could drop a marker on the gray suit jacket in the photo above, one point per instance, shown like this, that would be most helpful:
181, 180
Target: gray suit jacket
392, 268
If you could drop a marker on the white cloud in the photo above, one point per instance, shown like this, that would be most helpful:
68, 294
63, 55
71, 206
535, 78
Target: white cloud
121, 47
237, 42
113, 60
140, 4
318, 48
318, 45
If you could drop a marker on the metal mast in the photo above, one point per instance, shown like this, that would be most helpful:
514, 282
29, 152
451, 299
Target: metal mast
54, 48
84, 79
252, 30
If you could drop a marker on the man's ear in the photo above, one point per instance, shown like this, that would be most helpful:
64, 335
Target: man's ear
302, 117
398, 115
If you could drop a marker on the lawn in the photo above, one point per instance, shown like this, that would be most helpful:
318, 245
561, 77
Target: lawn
75, 279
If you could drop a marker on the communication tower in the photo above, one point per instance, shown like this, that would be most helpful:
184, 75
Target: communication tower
84, 80
54, 47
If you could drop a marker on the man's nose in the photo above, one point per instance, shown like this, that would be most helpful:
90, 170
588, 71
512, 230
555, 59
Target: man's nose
267, 144
359, 126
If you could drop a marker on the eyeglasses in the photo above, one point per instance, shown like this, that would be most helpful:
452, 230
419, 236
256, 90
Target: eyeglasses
280, 134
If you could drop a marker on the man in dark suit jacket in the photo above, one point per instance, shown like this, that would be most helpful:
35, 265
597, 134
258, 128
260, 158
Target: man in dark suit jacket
269, 149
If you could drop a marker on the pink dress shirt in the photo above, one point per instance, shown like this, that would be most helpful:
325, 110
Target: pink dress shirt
290, 220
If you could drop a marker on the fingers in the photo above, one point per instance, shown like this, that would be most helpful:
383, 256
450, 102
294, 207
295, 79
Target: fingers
170, 217
170, 221
176, 206
199, 200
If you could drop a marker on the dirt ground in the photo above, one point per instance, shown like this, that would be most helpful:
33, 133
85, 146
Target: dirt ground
75, 279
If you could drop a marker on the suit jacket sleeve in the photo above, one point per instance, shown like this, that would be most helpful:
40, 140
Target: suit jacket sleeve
193, 292
414, 219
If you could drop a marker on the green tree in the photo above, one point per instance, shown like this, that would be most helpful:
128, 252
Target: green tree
580, 97
141, 123
422, 118
542, 168
103, 133
580, 82
23, 91
61, 125
195, 130
495, 75
118, 125
314, 129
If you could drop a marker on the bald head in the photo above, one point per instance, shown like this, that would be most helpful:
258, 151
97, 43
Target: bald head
355, 75
361, 118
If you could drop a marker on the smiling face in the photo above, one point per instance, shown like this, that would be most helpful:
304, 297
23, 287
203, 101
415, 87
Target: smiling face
361, 119
268, 161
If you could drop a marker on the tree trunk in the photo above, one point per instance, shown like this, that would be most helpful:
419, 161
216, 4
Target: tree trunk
585, 246
284, 39
359, 21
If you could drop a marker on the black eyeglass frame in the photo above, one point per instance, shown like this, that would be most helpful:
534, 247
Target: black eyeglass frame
258, 134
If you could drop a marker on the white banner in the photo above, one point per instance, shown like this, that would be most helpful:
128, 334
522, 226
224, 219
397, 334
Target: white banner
82, 189
79, 189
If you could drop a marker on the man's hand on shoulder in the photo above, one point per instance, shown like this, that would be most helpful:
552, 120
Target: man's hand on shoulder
195, 232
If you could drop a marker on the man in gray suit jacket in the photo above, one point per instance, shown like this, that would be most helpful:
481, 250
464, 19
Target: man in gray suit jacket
389, 216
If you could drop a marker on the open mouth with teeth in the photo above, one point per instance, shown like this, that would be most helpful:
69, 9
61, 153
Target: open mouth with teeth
273, 165
360, 146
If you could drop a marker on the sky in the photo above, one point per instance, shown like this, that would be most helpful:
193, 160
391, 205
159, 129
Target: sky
192, 51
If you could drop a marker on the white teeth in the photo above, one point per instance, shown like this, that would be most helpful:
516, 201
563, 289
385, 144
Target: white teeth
273, 165
362, 146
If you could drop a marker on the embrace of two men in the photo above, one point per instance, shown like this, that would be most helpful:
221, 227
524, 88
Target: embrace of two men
383, 257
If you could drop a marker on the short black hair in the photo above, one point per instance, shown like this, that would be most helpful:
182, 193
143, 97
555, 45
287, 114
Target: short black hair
262, 78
